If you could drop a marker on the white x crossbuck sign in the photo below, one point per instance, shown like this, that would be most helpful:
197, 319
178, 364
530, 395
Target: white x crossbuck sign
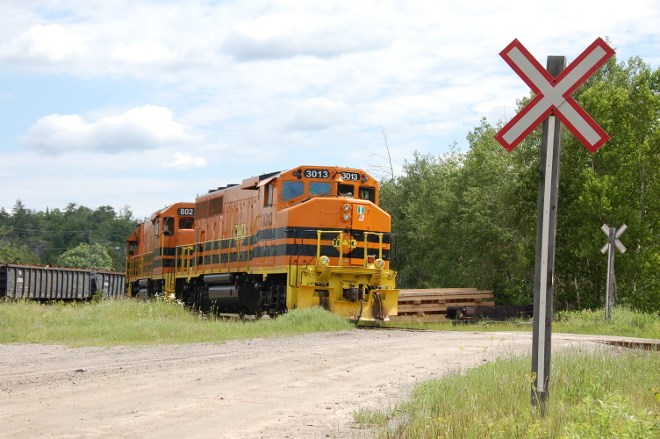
553, 95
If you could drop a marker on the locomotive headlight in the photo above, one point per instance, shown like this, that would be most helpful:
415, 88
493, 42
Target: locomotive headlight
324, 260
346, 212
379, 263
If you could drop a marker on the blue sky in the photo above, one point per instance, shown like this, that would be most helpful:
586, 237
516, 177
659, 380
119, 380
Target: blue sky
144, 103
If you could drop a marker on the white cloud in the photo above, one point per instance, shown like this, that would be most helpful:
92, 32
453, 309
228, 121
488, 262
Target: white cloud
140, 128
290, 34
184, 161
317, 114
143, 52
52, 43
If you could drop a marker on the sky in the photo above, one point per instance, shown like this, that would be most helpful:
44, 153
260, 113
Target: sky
139, 104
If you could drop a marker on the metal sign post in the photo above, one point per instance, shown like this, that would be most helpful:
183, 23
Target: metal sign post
546, 231
612, 243
553, 88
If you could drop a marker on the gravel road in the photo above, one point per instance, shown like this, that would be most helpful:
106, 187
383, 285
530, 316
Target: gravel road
295, 387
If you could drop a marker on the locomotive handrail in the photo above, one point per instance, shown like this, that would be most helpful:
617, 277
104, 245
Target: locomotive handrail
184, 254
337, 233
299, 249
380, 243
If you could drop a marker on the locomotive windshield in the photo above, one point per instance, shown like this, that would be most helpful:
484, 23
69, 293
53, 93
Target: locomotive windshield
320, 188
345, 190
292, 189
295, 189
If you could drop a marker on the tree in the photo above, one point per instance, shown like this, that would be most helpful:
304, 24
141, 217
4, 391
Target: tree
46, 235
11, 253
417, 202
618, 184
82, 256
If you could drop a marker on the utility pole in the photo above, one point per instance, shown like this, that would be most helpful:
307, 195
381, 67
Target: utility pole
90, 249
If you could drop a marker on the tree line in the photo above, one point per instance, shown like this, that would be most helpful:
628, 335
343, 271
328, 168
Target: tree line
468, 219
76, 236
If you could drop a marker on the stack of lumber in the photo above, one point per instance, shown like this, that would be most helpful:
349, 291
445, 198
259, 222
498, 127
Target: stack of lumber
434, 301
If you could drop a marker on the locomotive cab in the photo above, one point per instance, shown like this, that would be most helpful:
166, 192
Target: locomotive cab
295, 190
150, 250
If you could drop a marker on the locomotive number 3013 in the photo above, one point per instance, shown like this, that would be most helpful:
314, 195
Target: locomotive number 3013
324, 173
317, 173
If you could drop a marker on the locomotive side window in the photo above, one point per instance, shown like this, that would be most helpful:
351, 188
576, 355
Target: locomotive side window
168, 226
268, 195
345, 190
186, 222
368, 193
319, 188
292, 189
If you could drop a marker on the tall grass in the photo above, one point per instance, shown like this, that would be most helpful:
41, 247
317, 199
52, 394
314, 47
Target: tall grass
130, 322
624, 321
592, 395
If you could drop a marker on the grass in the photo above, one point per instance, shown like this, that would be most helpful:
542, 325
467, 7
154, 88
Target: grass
592, 395
624, 322
131, 322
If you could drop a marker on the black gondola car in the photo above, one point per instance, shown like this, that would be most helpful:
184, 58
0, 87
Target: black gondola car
44, 283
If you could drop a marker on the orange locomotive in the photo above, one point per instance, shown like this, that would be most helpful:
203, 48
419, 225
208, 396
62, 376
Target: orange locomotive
305, 237
150, 250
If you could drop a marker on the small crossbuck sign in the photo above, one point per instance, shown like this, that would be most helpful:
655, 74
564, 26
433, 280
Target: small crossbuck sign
617, 233
553, 95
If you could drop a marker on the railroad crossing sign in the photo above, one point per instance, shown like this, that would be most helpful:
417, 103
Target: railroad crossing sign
553, 95
613, 242
553, 88
607, 230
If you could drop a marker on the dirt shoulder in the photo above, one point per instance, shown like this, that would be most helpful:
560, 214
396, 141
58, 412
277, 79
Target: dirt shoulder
292, 387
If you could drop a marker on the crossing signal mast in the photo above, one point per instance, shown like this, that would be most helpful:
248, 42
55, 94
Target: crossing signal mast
552, 88
613, 243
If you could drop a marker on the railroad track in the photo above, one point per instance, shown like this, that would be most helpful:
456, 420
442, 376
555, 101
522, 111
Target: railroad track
393, 328
650, 345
